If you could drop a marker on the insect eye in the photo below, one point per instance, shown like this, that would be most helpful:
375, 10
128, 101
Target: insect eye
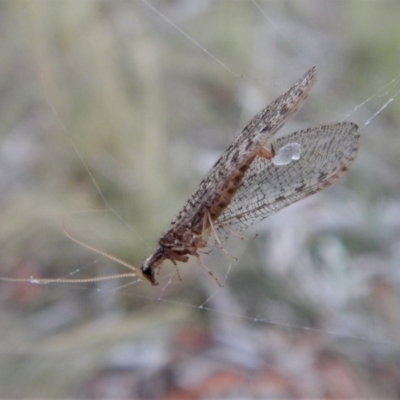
287, 153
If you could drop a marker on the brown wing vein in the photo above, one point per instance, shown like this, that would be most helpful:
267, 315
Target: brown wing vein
327, 152
256, 134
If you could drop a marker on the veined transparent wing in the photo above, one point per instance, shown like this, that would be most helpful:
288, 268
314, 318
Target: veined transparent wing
327, 151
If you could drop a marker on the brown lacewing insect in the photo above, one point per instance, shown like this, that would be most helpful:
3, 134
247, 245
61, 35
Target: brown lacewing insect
258, 176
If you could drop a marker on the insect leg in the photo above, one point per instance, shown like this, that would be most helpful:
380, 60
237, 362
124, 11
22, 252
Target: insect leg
209, 272
218, 240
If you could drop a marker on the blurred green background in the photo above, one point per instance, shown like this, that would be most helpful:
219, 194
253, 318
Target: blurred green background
107, 105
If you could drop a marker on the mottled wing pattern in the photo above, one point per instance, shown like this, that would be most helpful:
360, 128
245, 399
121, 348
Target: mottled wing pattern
327, 152
257, 133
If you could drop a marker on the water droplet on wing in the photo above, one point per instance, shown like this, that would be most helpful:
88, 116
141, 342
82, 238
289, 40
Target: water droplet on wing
287, 153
